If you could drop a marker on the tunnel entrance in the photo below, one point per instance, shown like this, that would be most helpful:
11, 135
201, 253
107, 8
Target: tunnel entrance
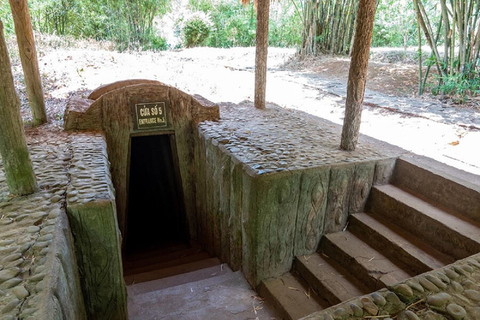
156, 215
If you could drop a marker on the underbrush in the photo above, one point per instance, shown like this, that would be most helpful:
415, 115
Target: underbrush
459, 87
398, 55
46, 42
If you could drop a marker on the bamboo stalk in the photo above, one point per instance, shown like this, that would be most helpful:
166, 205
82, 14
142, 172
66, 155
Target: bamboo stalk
427, 30
452, 44
446, 28
420, 62
477, 43
429, 66
468, 33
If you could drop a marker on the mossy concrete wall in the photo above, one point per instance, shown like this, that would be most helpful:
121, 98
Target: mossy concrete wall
93, 219
257, 220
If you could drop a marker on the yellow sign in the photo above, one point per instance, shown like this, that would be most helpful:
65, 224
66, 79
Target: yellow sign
150, 115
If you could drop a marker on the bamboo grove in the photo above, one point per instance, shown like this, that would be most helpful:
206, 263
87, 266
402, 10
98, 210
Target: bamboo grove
328, 26
451, 28
454, 43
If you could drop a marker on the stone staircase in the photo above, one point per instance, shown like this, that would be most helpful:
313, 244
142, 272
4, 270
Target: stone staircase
426, 218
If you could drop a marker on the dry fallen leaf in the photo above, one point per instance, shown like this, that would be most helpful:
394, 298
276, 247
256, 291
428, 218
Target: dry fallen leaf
256, 308
454, 143
307, 293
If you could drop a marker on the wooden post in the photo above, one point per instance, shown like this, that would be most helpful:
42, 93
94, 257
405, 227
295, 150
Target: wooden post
28, 56
263, 13
357, 76
13, 147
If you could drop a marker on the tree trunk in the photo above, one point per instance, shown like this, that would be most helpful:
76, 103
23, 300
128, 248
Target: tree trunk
28, 55
13, 147
263, 11
357, 76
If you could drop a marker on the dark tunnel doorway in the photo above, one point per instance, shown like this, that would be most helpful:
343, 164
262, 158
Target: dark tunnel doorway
156, 215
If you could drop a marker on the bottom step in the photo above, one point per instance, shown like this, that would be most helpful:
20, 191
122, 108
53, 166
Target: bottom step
328, 278
225, 296
168, 282
290, 297
171, 271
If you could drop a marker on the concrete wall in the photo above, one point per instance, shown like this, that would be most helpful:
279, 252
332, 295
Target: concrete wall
259, 222
112, 114
62, 282
92, 215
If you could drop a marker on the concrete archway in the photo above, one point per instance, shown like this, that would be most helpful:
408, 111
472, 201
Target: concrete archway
133, 110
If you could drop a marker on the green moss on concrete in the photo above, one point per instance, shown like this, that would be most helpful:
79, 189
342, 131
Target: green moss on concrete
97, 246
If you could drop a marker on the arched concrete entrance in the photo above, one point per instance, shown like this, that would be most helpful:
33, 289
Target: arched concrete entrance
149, 128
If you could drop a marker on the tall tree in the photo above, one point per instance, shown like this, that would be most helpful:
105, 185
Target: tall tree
28, 56
263, 15
13, 147
357, 76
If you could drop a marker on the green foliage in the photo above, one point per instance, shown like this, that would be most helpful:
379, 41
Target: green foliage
129, 23
6, 17
155, 43
196, 30
201, 5
460, 86
394, 24
452, 27
285, 28
234, 25
54, 16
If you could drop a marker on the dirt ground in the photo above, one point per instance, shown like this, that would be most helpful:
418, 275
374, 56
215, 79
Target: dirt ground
399, 79
71, 68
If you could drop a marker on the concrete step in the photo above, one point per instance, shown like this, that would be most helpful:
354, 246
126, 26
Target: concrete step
162, 258
171, 271
194, 276
329, 279
449, 188
396, 243
370, 266
290, 297
169, 251
224, 296
165, 263
455, 236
